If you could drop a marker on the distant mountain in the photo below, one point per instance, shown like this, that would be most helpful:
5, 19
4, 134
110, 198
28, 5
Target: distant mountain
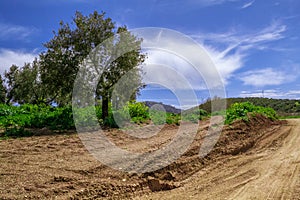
160, 106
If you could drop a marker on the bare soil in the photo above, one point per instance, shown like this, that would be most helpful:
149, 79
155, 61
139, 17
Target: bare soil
254, 160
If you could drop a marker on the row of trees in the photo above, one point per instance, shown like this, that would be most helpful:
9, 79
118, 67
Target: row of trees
50, 77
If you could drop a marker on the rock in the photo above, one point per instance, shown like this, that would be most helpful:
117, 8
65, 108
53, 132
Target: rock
158, 185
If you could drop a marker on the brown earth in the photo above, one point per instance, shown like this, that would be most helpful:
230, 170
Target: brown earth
254, 160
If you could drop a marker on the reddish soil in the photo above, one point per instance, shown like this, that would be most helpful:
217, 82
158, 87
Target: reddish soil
250, 161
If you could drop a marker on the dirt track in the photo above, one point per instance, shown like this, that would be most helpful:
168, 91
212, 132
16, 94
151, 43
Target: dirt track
269, 171
258, 160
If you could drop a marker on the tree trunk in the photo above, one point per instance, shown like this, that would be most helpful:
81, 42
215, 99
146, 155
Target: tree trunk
104, 108
9, 98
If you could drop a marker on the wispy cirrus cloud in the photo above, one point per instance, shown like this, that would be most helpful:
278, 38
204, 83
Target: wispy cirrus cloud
226, 64
238, 39
229, 50
247, 5
211, 2
15, 32
198, 3
266, 77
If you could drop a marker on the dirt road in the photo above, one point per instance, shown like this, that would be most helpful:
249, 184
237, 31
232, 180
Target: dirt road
269, 171
254, 160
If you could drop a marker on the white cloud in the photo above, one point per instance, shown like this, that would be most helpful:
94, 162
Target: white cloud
226, 64
239, 39
275, 94
228, 50
9, 57
265, 77
184, 56
171, 71
179, 64
271, 33
11, 31
211, 2
247, 5
167, 4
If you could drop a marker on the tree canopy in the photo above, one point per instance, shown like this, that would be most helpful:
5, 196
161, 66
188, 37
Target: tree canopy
50, 78
2, 90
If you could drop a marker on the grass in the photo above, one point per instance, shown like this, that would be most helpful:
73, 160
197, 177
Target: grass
290, 117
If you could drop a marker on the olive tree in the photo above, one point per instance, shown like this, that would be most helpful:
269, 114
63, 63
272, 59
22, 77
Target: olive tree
72, 43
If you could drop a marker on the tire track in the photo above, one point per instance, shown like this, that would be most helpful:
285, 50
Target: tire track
279, 171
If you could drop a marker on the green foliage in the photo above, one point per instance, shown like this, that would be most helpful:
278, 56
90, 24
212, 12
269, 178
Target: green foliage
284, 107
69, 46
23, 84
10, 79
15, 119
110, 58
51, 76
173, 118
158, 117
138, 112
134, 112
2, 90
194, 115
242, 110
17, 132
220, 112
290, 117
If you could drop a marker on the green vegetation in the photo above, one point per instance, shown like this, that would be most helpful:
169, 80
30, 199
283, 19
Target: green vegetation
290, 117
194, 115
160, 117
51, 77
243, 110
17, 121
284, 107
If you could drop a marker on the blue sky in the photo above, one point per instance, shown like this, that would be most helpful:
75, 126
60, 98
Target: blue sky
255, 44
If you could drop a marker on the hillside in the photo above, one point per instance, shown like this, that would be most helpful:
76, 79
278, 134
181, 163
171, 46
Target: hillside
167, 108
284, 107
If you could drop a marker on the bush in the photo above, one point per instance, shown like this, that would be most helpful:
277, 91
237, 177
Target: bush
194, 115
138, 111
241, 110
158, 117
17, 132
173, 118
14, 119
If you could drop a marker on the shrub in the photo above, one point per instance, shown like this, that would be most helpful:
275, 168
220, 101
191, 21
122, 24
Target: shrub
14, 119
173, 118
241, 110
158, 117
194, 115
